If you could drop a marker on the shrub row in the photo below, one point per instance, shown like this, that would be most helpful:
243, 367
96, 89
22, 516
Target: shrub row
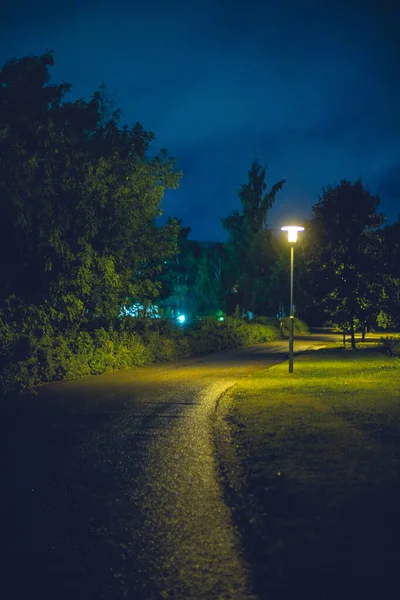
39, 354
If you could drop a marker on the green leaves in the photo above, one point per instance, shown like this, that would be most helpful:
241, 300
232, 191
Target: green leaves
250, 250
342, 254
79, 198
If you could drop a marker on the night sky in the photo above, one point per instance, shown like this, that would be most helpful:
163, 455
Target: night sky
309, 87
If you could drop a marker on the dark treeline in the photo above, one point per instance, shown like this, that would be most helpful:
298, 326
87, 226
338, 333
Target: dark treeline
84, 264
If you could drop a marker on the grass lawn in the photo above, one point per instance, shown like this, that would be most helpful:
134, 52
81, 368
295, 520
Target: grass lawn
320, 451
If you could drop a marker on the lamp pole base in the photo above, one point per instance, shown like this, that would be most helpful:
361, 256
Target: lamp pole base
291, 332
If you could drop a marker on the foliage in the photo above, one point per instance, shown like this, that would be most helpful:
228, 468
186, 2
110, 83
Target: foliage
260, 320
192, 280
39, 353
385, 320
206, 290
389, 316
342, 254
391, 345
212, 335
300, 326
250, 248
79, 197
78, 241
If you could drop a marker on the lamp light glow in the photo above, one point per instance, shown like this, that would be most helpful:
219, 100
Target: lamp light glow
292, 238
292, 232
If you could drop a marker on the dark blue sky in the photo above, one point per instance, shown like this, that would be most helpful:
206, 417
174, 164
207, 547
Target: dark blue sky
309, 87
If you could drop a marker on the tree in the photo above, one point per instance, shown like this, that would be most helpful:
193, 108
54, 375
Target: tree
343, 254
206, 290
79, 197
192, 280
249, 247
176, 277
389, 315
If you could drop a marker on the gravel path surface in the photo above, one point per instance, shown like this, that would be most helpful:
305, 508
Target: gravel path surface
118, 493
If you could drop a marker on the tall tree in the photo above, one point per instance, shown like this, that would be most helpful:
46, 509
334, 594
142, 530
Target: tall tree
343, 254
79, 197
192, 280
206, 290
249, 247
176, 278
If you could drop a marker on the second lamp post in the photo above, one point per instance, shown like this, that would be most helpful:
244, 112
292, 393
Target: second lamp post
292, 239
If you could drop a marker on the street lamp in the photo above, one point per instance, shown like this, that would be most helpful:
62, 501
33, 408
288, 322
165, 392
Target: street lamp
292, 239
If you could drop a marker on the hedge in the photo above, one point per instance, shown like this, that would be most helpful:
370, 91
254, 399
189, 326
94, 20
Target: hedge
37, 355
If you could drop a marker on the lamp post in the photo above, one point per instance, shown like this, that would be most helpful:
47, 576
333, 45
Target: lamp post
292, 239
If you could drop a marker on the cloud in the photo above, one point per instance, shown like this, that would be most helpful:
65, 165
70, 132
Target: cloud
310, 88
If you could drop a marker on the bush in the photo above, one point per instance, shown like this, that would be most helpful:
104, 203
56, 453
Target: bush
210, 335
271, 321
30, 358
391, 345
299, 326
32, 353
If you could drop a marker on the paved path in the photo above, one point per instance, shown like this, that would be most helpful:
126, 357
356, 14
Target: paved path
118, 493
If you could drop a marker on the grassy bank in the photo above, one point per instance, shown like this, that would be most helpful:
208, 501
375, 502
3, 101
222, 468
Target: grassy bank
320, 452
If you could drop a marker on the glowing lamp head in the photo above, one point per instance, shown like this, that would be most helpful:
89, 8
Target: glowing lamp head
292, 232
181, 319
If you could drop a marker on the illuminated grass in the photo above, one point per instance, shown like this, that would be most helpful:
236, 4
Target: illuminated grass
321, 453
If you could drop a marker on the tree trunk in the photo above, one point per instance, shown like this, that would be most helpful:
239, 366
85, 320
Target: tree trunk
353, 341
364, 329
344, 338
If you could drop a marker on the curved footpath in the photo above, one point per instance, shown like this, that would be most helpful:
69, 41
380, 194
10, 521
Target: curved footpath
118, 492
